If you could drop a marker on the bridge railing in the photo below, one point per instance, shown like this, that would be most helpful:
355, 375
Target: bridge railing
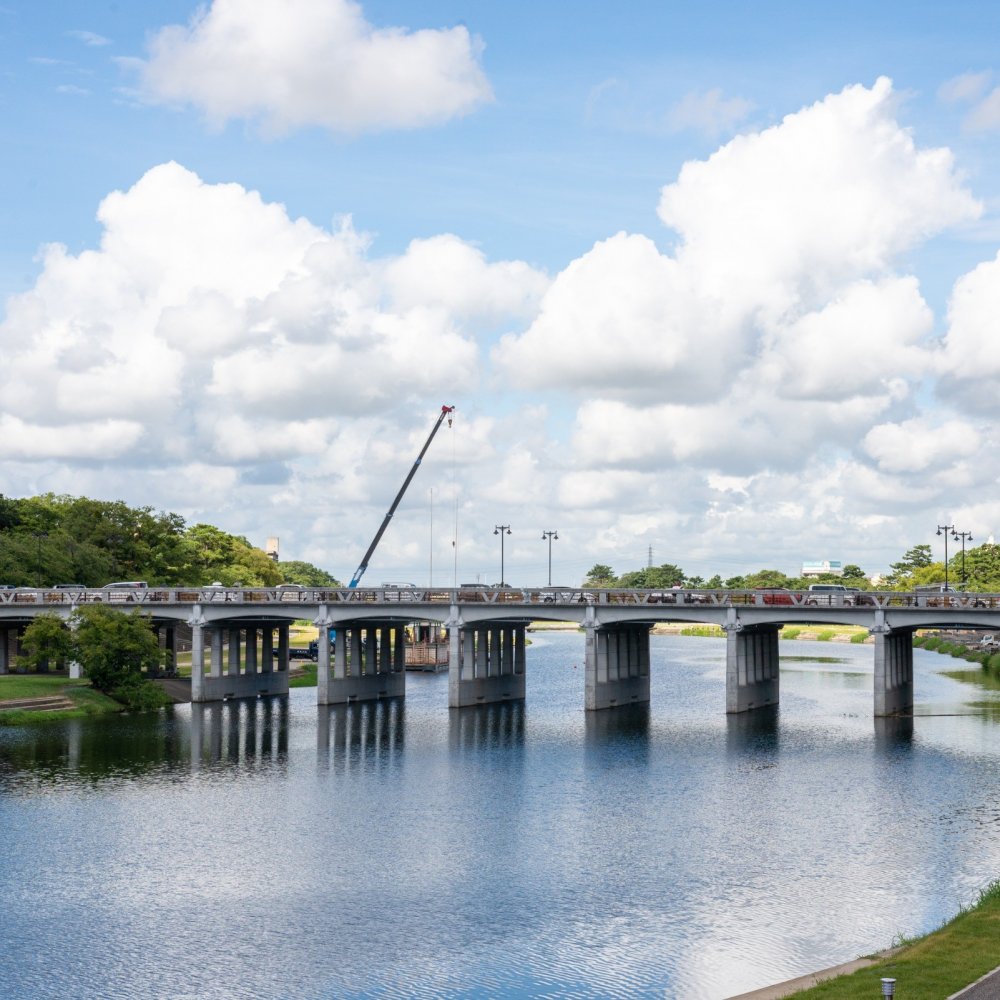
392, 597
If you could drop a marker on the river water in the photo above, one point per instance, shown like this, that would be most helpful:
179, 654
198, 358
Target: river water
276, 850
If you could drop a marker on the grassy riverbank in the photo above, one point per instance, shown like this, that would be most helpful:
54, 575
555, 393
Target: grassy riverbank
931, 967
84, 699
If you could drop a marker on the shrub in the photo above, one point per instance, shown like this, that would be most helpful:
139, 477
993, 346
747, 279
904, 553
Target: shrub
790, 633
932, 641
859, 637
993, 663
826, 635
140, 695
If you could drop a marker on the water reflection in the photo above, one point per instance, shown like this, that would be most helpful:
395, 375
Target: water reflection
754, 732
244, 731
93, 750
487, 727
363, 734
894, 733
626, 722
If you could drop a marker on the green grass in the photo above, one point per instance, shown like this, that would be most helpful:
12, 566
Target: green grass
789, 632
88, 702
826, 635
709, 630
308, 678
35, 685
934, 966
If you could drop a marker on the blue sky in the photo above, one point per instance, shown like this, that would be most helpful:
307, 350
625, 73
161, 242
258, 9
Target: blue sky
698, 384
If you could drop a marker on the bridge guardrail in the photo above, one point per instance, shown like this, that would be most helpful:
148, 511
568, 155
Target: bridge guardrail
394, 596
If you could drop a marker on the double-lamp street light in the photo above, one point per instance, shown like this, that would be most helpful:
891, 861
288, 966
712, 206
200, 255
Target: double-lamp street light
501, 530
550, 535
945, 530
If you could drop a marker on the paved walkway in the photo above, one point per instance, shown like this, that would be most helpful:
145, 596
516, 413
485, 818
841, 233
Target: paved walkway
787, 988
987, 988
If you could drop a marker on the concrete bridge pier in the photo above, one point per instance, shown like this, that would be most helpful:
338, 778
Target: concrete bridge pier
485, 663
246, 675
616, 665
751, 666
5, 657
893, 670
369, 662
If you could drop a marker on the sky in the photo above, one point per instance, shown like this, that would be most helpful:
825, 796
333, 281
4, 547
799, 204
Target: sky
717, 287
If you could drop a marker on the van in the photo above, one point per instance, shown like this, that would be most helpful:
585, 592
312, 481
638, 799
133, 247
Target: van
830, 594
119, 591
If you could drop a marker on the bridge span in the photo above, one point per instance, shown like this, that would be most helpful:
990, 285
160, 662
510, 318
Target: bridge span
244, 634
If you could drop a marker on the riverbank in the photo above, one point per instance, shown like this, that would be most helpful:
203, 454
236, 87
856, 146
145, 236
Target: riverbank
28, 698
933, 967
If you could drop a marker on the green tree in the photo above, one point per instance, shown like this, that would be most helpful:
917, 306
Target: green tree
653, 577
230, 559
599, 575
906, 573
46, 640
306, 574
766, 578
714, 583
114, 647
852, 572
9, 515
982, 568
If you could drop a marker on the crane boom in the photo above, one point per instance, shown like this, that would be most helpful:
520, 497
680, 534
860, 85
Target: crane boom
359, 572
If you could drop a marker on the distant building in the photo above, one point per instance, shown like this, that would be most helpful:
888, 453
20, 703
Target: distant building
826, 567
271, 549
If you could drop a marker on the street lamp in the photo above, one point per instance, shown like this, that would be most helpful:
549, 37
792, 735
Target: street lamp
944, 529
550, 535
501, 530
963, 535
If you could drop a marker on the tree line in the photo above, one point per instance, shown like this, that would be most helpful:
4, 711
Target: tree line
978, 570
50, 539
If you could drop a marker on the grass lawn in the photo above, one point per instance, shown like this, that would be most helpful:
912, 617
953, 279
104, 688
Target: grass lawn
85, 698
36, 685
934, 966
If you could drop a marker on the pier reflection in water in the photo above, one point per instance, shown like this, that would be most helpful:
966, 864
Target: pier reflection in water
361, 735
487, 727
246, 731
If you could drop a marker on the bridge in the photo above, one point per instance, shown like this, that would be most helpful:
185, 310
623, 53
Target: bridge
243, 632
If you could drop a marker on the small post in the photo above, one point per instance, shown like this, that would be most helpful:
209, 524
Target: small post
888, 987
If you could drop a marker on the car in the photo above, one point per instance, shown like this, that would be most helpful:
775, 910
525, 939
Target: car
774, 595
829, 594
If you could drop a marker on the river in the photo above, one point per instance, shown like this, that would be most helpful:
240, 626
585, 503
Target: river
272, 849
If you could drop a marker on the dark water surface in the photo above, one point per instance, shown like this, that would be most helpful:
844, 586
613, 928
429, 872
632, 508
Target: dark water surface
273, 849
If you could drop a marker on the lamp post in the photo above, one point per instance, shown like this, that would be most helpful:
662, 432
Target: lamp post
501, 530
550, 535
943, 529
962, 535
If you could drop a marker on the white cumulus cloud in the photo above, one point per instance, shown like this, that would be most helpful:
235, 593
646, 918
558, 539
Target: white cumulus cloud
297, 63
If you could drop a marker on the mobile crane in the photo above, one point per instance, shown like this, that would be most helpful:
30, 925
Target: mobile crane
446, 411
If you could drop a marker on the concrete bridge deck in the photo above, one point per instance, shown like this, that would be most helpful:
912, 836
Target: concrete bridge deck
486, 628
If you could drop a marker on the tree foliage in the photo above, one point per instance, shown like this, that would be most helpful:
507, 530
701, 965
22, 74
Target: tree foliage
46, 641
112, 646
306, 574
52, 539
